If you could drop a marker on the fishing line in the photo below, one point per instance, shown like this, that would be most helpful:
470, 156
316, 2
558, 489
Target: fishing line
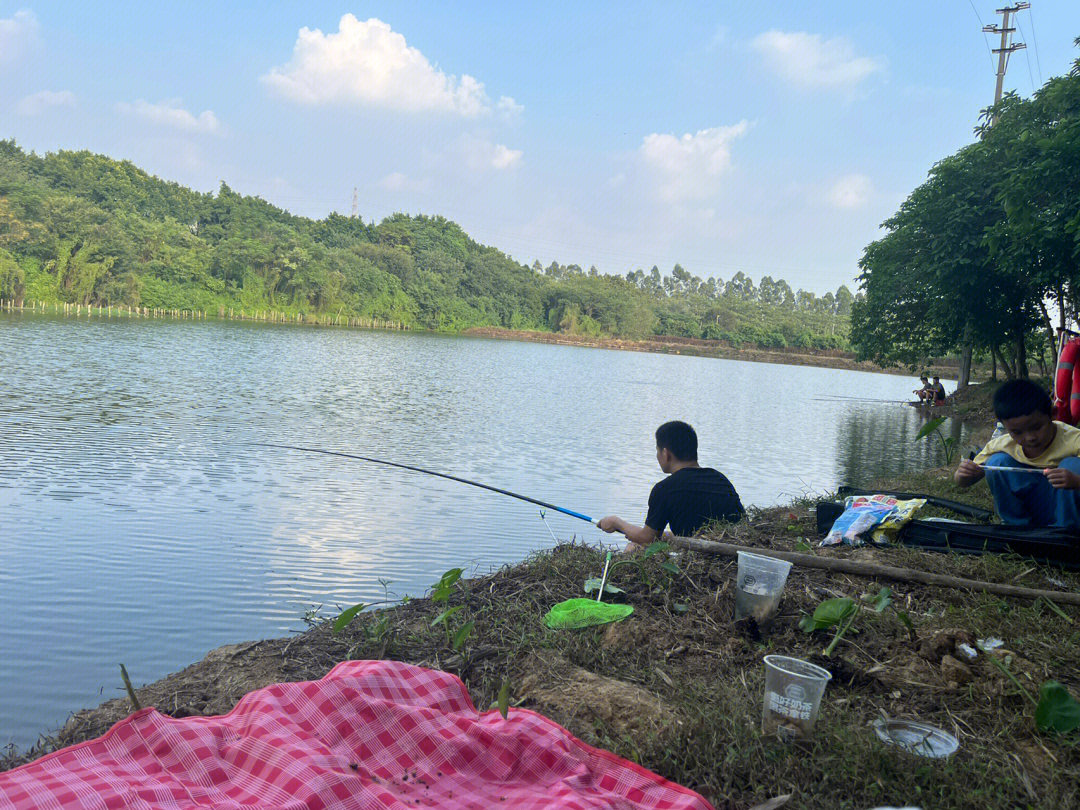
544, 504
1012, 469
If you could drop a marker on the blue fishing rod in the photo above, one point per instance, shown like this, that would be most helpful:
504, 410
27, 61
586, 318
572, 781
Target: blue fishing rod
544, 504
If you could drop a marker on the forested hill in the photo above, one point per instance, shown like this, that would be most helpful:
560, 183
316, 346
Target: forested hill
82, 228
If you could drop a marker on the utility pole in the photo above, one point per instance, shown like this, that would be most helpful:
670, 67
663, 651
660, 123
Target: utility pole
1004, 52
355, 203
1006, 48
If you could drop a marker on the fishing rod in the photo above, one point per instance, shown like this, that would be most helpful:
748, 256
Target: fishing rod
841, 399
544, 504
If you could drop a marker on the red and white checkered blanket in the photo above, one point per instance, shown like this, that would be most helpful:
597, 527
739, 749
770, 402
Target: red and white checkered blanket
371, 734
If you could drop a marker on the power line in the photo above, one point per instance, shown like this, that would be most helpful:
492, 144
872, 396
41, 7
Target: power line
1035, 42
985, 40
1027, 56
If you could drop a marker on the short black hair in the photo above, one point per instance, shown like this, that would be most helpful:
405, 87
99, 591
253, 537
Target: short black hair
1019, 398
679, 438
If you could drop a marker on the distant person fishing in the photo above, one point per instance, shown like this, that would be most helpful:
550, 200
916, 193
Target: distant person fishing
924, 392
689, 498
938, 391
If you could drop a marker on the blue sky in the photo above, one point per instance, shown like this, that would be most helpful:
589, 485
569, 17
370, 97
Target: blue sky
771, 138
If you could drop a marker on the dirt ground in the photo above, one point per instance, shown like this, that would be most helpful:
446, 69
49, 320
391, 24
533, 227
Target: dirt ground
678, 685
668, 344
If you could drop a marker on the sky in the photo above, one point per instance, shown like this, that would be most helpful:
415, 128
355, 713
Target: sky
771, 138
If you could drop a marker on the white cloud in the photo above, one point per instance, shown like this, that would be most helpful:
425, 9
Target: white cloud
480, 154
37, 103
808, 60
16, 34
368, 64
509, 109
395, 181
690, 167
171, 115
400, 182
850, 191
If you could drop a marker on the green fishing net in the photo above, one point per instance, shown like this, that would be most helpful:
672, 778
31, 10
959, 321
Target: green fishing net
585, 613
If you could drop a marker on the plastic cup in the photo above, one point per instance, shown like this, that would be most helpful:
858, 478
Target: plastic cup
793, 690
759, 586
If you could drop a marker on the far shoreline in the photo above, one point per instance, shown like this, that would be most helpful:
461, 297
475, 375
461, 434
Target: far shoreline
657, 344
699, 347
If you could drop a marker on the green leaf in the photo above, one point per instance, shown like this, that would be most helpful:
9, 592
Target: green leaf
930, 427
905, 619
680, 607
593, 584
828, 614
881, 601
441, 590
802, 545
1057, 710
462, 633
446, 614
504, 697
655, 548
347, 616
671, 568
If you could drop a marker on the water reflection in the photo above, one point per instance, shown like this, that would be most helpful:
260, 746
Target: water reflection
139, 524
882, 440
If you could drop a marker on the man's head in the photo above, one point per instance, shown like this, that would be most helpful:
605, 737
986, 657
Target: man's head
923, 379
1025, 411
937, 379
676, 442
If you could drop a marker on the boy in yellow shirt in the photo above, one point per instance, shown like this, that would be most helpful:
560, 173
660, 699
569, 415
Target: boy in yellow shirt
1034, 469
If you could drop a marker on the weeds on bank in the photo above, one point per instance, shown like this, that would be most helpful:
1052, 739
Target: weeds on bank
841, 613
638, 562
948, 443
440, 594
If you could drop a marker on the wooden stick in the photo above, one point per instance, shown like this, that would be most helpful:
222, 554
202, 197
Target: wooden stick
877, 570
130, 689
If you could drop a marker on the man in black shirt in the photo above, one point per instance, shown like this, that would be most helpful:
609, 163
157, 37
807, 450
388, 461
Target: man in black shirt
687, 499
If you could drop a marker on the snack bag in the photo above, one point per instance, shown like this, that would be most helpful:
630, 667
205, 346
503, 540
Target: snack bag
879, 514
903, 511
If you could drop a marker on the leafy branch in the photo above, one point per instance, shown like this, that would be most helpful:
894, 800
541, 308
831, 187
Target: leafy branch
948, 443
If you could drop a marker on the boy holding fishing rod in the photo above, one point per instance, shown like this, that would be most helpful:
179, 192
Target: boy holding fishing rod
1033, 470
687, 499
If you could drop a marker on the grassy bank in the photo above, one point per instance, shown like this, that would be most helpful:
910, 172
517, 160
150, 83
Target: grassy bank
678, 686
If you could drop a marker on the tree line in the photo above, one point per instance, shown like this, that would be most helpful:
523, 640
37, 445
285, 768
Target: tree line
78, 227
985, 255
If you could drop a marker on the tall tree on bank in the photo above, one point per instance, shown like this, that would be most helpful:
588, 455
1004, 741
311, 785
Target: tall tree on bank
975, 253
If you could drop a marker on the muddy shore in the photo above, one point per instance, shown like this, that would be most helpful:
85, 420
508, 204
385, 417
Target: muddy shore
822, 358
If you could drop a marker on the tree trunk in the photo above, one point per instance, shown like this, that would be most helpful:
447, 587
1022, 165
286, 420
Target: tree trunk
993, 367
1050, 337
965, 359
1021, 357
1005, 367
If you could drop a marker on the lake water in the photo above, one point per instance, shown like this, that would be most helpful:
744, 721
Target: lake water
138, 524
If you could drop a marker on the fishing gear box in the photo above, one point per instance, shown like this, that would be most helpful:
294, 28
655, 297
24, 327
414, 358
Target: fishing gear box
1055, 546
